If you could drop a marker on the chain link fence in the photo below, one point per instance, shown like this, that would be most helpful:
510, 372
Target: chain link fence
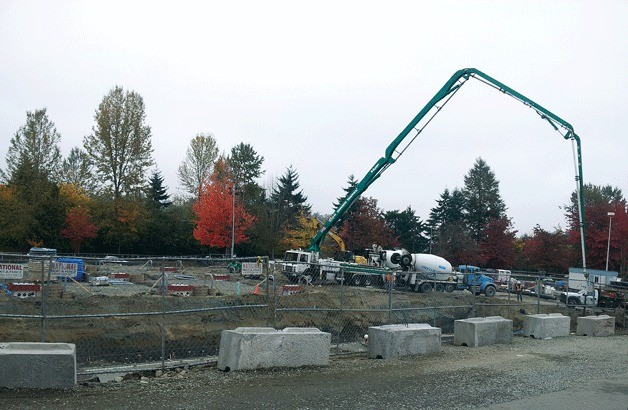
127, 311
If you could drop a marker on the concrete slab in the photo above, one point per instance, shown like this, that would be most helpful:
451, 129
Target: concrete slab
598, 326
544, 326
401, 340
38, 365
482, 331
247, 348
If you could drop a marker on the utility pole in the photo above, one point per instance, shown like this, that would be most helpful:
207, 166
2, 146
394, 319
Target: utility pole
232, 220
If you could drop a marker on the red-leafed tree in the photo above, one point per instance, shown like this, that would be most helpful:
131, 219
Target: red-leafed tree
598, 202
548, 251
78, 227
215, 209
366, 226
497, 244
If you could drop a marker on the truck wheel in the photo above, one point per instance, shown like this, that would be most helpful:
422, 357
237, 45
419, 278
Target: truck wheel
449, 287
367, 281
406, 260
356, 280
439, 287
489, 291
425, 287
572, 302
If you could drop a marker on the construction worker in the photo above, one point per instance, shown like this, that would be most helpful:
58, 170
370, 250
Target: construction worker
519, 291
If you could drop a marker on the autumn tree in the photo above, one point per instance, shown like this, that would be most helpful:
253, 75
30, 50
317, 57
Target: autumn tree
483, 201
34, 208
598, 202
497, 244
78, 228
301, 233
217, 209
198, 163
548, 251
120, 144
366, 226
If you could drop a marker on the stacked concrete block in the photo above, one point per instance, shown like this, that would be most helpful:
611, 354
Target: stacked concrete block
401, 340
603, 325
482, 331
38, 365
544, 326
247, 348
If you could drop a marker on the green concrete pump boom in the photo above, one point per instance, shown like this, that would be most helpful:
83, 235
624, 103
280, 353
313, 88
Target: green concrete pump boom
396, 149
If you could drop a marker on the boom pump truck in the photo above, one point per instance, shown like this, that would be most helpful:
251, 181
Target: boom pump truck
399, 145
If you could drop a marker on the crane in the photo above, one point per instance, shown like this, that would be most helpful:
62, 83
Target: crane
399, 145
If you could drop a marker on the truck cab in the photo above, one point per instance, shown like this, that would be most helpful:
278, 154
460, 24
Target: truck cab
581, 297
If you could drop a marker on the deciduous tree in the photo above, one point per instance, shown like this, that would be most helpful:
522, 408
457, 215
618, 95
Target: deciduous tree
78, 228
120, 144
198, 163
77, 170
35, 146
497, 244
366, 226
215, 211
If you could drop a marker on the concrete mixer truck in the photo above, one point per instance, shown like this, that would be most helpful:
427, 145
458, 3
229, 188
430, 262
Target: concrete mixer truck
420, 272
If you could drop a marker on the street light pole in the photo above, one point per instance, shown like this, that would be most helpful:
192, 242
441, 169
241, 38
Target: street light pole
232, 219
608, 247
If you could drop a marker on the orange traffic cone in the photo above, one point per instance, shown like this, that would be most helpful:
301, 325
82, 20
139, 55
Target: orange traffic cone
256, 290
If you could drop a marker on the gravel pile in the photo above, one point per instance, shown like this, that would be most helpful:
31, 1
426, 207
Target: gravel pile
456, 378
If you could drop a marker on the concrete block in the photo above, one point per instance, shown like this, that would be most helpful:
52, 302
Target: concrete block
482, 331
598, 326
400, 340
247, 348
544, 326
38, 365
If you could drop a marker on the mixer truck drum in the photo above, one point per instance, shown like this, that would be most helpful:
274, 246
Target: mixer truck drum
382, 256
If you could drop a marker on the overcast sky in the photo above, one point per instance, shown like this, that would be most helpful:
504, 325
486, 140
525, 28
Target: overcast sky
327, 85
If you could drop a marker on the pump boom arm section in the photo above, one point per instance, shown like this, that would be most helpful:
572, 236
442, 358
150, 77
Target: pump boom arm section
396, 149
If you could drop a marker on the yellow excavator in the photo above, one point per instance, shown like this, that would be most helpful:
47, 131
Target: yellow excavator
343, 255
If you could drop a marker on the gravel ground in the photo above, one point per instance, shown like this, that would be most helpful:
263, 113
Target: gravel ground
456, 378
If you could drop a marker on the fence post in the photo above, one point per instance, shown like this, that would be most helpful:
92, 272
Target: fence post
538, 295
44, 297
163, 314
391, 283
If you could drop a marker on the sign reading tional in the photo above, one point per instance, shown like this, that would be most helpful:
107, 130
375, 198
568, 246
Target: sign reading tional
11, 271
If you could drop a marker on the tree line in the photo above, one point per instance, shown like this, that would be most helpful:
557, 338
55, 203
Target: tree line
108, 196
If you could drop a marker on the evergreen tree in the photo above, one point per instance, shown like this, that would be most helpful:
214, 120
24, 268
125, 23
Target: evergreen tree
245, 165
158, 192
287, 200
351, 184
448, 231
482, 199
408, 228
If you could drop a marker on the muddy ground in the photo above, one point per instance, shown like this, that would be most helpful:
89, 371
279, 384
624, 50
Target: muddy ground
124, 323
